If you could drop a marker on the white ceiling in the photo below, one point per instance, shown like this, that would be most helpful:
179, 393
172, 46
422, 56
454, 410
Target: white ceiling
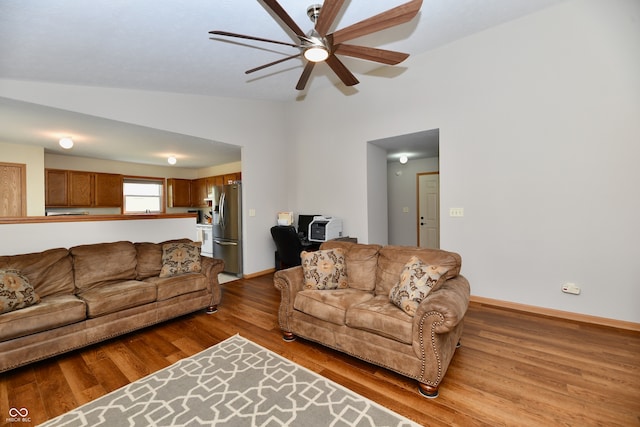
164, 45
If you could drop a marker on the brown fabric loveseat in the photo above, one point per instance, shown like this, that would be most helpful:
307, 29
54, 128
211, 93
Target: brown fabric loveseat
360, 319
90, 293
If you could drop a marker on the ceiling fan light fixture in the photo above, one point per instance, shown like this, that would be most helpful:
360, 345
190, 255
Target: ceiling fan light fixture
66, 142
316, 53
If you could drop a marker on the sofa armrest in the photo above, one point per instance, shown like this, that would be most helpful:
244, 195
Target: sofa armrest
289, 282
211, 267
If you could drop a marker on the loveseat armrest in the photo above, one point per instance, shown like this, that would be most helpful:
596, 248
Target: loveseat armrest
289, 282
451, 300
437, 327
211, 267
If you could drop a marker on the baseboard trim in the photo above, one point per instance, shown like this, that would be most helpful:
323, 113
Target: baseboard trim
550, 312
259, 273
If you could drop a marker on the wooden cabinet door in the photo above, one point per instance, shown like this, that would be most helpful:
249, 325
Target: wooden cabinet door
13, 182
179, 193
80, 188
218, 180
198, 192
108, 190
56, 187
229, 178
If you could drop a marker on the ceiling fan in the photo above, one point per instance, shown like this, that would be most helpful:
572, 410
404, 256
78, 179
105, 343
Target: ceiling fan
318, 46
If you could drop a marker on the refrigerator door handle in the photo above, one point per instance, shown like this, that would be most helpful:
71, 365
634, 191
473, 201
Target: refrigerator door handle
221, 209
221, 243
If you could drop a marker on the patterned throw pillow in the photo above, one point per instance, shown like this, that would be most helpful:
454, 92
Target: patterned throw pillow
15, 291
180, 258
417, 279
324, 269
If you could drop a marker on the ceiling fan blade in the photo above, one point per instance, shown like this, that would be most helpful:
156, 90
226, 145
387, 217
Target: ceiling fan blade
306, 73
383, 56
328, 13
272, 63
284, 16
392, 17
341, 71
242, 36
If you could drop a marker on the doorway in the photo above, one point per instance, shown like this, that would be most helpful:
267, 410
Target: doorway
392, 185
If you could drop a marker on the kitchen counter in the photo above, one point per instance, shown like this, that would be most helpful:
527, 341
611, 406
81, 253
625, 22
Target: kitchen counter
85, 218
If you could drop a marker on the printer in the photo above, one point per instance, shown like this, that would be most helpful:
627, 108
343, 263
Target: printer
324, 228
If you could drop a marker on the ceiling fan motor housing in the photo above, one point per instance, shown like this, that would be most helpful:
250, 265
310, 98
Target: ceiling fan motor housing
313, 12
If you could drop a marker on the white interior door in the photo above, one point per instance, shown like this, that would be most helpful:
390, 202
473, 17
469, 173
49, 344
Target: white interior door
429, 210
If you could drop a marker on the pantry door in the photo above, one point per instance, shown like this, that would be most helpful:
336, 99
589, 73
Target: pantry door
13, 182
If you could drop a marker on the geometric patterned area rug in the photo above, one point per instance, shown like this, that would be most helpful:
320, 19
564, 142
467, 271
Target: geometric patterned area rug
234, 383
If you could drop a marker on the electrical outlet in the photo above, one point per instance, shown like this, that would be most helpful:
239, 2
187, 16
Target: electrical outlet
571, 288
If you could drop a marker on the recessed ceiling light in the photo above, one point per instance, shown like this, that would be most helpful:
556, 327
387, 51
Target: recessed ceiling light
171, 160
66, 142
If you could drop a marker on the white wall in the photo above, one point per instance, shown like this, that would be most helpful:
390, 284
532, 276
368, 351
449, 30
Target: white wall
539, 137
36, 237
33, 158
403, 192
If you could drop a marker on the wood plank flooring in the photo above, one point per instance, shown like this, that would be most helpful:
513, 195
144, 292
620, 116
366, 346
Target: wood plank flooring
513, 369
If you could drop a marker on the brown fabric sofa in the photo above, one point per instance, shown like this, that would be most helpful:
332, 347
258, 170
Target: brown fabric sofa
90, 293
361, 321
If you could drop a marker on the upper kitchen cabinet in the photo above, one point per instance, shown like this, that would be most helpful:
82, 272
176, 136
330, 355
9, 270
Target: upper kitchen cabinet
82, 189
178, 193
199, 191
230, 178
56, 185
108, 190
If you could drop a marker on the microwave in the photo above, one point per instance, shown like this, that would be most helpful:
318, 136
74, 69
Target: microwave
324, 228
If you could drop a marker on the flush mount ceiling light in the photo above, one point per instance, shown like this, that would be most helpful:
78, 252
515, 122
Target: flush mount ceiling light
66, 142
171, 160
404, 159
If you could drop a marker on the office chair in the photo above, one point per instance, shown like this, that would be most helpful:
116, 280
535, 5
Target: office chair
288, 246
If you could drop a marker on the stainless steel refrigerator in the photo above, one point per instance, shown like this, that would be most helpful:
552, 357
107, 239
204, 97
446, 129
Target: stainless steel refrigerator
227, 227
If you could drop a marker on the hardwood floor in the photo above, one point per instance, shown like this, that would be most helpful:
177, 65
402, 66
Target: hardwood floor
513, 369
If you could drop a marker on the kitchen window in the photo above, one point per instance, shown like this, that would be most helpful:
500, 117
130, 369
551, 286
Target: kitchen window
142, 195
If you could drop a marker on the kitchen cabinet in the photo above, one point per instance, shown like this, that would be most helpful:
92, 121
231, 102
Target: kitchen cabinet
199, 191
178, 193
82, 189
55, 184
108, 190
230, 178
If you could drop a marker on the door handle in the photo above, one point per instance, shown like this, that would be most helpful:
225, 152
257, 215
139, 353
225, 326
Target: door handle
225, 243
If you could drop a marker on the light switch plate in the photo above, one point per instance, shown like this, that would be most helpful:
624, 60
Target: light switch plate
457, 212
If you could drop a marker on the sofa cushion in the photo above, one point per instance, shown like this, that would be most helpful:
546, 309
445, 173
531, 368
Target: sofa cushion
52, 312
324, 269
392, 259
117, 296
15, 291
180, 258
50, 272
416, 281
149, 258
380, 316
361, 261
103, 263
330, 306
169, 287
